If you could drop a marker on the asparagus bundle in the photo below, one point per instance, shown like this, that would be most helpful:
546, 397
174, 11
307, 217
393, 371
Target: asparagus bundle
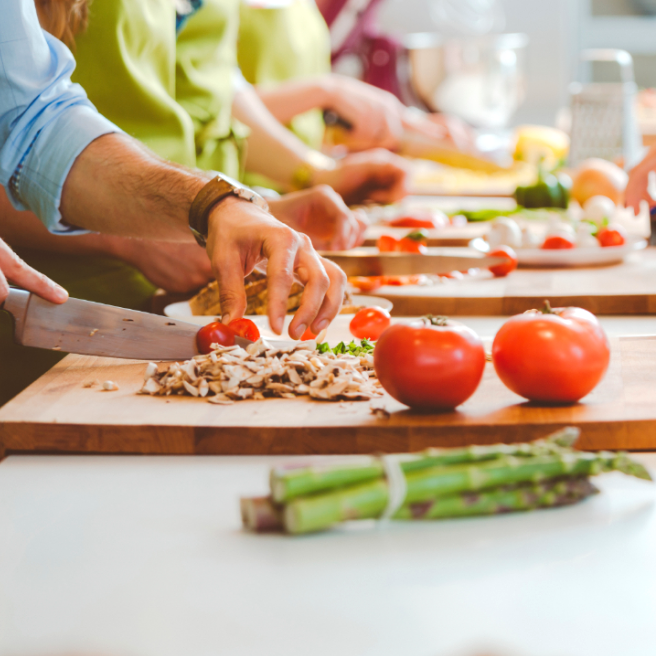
438, 483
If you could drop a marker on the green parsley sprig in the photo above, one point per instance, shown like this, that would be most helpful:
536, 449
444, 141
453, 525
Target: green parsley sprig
364, 347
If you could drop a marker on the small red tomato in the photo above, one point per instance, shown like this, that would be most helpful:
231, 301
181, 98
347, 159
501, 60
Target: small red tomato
413, 242
612, 236
503, 269
434, 366
557, 242
308, 334
387, 244
400, 281
245, 328
413, 222
214, 333
367, 283
369, 323
553, 356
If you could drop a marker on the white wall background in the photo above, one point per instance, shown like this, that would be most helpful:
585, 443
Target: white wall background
552, 29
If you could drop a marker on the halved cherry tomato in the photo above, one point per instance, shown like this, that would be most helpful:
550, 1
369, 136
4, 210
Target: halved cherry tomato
503, 269
413, 242
553, 356
308, 334
387, 244
400, 281
557, 242
612, 236
367, 283
369, 323
431, 365
214, 333
413, 222
245, 328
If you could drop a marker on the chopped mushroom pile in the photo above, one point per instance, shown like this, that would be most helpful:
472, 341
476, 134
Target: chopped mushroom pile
231, 373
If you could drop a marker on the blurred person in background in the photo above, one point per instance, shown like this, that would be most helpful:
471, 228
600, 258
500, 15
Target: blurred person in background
284, 49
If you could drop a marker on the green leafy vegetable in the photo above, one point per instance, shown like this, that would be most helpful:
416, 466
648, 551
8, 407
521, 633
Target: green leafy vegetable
363, 348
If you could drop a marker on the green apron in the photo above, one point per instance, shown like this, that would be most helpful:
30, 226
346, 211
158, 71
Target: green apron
286, 43
174, 96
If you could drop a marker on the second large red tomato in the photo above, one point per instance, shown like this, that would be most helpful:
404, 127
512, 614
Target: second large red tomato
553, 357
428, 366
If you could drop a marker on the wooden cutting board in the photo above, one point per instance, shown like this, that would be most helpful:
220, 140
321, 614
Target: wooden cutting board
60, 413
625, 288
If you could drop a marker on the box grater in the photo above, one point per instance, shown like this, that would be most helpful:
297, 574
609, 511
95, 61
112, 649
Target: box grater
603, 114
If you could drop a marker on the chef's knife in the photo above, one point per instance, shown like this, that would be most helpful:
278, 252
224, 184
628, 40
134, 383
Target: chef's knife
96, 329
370, 262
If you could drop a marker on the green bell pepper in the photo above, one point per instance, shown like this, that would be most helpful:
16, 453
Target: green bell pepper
549, 191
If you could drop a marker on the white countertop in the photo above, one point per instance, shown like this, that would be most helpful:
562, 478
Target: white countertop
144, 556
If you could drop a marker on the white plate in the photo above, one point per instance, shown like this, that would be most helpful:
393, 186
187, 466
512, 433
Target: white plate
182, 311
571, 257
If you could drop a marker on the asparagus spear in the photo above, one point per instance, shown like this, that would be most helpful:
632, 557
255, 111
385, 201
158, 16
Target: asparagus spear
260, 514
287, 484
527, 496
368, 500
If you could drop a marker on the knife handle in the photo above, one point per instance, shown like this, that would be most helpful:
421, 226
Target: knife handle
16, 304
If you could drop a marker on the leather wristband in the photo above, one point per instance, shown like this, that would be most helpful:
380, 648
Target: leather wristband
216, 190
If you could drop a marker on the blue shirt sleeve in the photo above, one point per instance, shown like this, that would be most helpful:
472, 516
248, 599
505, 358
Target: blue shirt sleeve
46, 121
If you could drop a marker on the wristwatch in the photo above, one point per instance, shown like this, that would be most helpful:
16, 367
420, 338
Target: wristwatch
216, 190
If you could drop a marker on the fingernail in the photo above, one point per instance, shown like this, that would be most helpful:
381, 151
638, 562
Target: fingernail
300, 330
60, 291
324, 323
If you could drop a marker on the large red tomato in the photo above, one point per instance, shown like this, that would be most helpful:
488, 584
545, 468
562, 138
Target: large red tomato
214, 333
430, 366
553, 356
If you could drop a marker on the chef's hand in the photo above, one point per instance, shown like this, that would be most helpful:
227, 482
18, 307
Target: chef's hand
241, 235
637, 187
13, 269
376, 175
175, 267
322, 215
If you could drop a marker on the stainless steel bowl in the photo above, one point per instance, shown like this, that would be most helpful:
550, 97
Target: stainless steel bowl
478, 78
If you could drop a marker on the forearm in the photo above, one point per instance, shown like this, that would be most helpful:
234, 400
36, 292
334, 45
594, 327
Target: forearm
289, 99
117, 187
25, 230
272, 150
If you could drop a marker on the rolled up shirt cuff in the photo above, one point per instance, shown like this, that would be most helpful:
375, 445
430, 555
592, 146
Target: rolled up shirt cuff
39, 181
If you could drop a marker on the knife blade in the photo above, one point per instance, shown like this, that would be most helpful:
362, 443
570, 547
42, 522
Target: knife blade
369, 262
89, 328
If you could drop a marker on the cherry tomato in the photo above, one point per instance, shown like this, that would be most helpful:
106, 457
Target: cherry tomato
387, 244
369, 323
367, 283
400, 281
214, 333
557, 242
612, 236
557, 357
413, 222
429, 366
308, 334
245, 328
503, 269
413, 242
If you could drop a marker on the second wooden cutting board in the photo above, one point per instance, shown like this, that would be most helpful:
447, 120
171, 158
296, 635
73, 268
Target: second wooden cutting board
626, 288
62, 413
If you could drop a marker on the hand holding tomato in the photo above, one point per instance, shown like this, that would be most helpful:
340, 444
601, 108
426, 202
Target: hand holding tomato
553, 356
503, 269
433, 364
369, 323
